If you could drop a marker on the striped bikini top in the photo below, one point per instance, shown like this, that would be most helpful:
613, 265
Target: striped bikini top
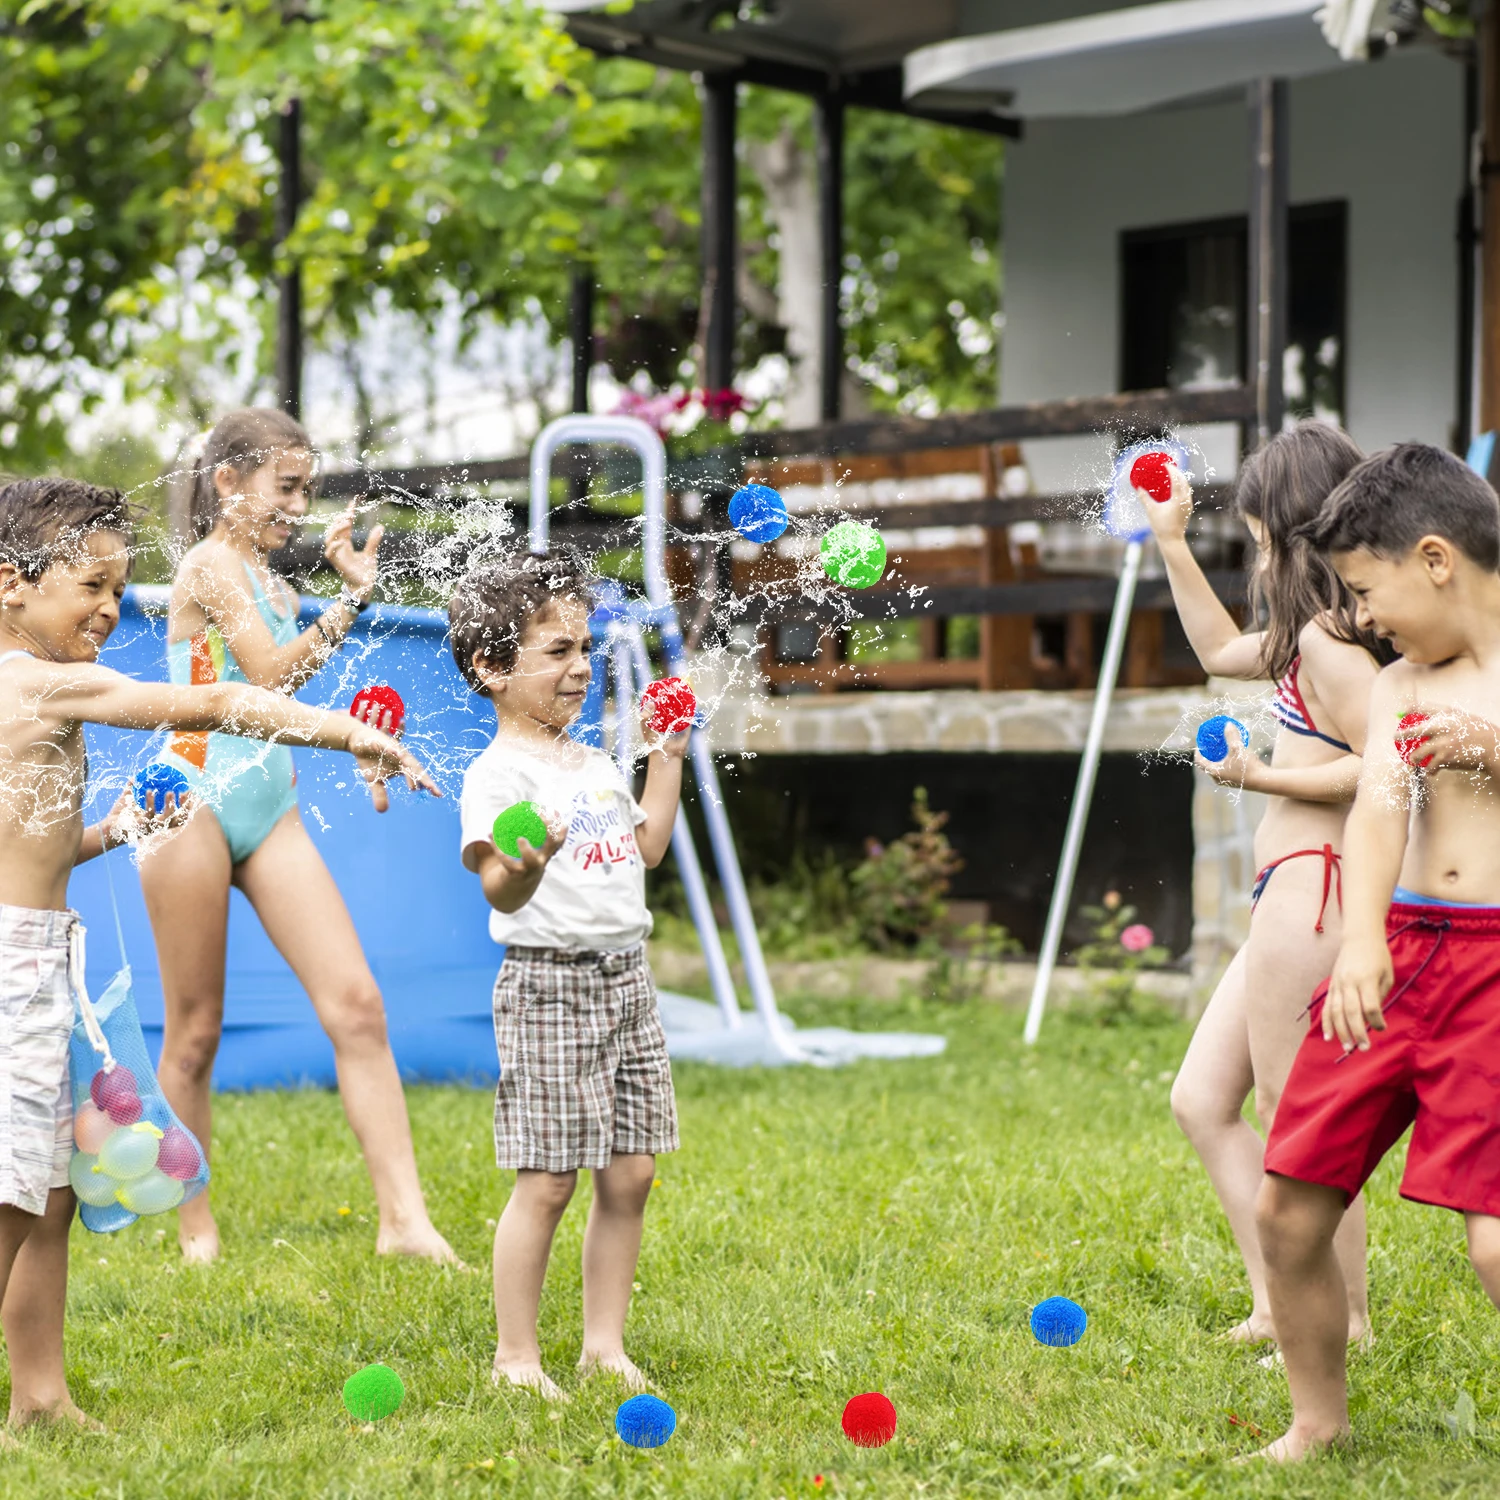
1289, 709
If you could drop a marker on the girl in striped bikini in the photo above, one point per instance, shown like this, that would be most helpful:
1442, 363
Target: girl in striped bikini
1323, 666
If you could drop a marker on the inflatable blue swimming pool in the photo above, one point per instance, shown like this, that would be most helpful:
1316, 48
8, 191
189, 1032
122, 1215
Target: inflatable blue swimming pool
420, 915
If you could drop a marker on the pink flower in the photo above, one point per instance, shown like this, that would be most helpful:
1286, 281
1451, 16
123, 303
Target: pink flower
1137, 938
655, 411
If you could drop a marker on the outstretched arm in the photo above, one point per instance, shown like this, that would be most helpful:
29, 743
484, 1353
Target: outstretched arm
510, 881
1217, 641
97, 695
1335, 781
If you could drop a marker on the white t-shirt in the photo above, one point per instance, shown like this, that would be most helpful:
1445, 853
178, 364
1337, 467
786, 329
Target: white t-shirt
593, 895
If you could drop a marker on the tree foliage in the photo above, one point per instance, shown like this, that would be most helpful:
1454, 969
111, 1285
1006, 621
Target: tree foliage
452, 149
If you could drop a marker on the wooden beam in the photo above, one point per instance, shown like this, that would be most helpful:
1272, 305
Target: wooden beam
581, 333
829, 120
289, 305
716, 318
1058, 596
1269, 158
1004, 424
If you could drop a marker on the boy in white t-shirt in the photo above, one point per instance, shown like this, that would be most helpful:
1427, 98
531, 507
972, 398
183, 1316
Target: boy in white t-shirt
584, 1077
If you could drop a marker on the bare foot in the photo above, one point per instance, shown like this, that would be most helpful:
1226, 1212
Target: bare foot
1254, 1330
620, 1365
200, 1247
55, 1414
527, 1376
421, 1241
1361, 1336
1294, 1445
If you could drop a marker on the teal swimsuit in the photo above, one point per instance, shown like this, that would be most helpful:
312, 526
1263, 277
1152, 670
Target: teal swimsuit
248, 785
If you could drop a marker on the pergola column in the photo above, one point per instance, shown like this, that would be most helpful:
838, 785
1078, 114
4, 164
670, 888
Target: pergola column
581, 333
1269, 160
829, 120
1489, 231
289, 308
720, 101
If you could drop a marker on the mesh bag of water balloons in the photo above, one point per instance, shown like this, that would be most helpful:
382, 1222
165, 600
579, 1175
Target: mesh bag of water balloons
132, 1155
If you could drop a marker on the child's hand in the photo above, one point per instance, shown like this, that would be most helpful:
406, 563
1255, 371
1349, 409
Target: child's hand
379, 758
357, 566
1168, 519
529, 864
1362, 978
673, 746
127, 822
1450, 737
1240, 769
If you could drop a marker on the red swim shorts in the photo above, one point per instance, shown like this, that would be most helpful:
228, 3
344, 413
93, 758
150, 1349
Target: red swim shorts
1437, 1064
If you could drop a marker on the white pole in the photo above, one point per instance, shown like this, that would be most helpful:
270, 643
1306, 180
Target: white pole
1088, 767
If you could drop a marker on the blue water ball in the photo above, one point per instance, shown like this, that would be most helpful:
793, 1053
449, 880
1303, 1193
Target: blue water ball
155, 783
758, 513
1213, 744
1059, 1321
645, 1421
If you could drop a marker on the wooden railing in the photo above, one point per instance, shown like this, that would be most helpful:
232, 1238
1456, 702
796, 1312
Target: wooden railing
1002, 584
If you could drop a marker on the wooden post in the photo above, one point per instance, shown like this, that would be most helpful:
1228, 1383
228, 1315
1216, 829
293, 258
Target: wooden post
1468, 244
1004, 640
289, 309
1489, 333
581, 333
720, 101
1268, 251
830, 132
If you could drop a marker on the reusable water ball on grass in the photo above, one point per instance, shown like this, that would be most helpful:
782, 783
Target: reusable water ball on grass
1058, 1322
146, 1161
373, 1393
645, 1421
521, 820
869, 1420
1213, 743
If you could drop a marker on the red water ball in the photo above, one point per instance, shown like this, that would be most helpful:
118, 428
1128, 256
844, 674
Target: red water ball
126, 1109
116, 1087
869, 1420
178, 1154
1408, 745
1152, 472
669, 706
372, 703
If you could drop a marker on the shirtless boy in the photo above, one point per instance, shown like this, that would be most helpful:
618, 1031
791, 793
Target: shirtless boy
64, 563
1406, 1031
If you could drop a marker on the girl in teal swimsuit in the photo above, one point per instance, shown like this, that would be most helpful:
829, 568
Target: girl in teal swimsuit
231, 621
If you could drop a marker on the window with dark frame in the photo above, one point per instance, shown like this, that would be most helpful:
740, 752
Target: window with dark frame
1184, 317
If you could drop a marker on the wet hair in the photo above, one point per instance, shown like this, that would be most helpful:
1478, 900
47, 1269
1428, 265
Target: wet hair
495, 602
45, 521
1284, 485
1391, 501
244, 439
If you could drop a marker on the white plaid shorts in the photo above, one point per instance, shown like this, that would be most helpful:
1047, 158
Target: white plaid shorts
584, 1074
36, 1020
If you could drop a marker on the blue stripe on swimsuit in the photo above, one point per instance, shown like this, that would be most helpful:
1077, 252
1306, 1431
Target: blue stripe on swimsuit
247, 784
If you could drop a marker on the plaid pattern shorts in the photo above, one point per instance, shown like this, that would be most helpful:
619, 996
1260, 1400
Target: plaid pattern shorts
583, 1061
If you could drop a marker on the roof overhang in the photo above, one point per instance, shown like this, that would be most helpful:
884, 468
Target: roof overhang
1123, 60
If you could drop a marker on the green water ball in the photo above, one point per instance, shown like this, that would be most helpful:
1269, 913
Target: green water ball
154, 1193
521, 820
853, 554
90, 1184
373, 1393
130, 1151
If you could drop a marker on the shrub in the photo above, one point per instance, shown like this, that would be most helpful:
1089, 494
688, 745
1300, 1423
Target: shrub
899, 887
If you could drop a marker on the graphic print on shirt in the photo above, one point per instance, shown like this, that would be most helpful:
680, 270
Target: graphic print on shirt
599, 838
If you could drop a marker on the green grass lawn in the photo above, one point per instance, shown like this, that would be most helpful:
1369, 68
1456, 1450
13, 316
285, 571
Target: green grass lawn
887, 1226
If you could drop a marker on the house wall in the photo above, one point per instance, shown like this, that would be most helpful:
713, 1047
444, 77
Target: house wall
1387, 138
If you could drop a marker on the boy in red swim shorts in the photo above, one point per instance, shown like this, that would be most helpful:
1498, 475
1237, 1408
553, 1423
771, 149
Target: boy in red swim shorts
1406, 1031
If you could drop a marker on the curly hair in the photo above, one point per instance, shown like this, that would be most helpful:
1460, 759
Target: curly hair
496, 600
44, 521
